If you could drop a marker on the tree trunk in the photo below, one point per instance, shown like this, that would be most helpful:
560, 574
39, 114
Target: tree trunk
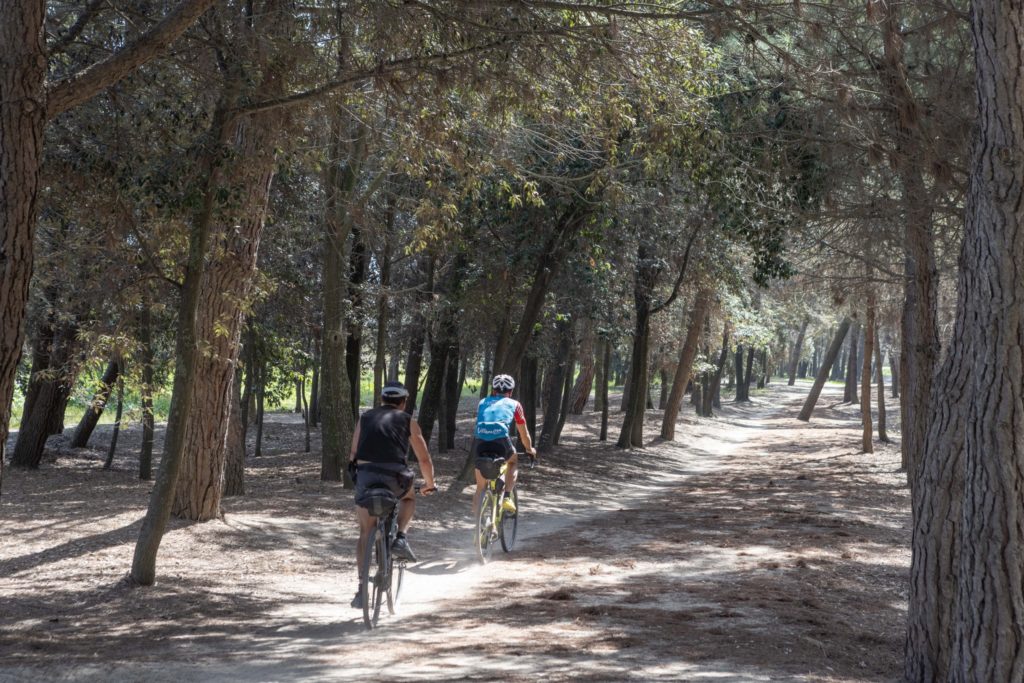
418, 339
382, 311
354, 342
564, 406
600, 375
528, 390
883, 436
117, 425
553, 255
261, 393
348, 151
91, 418
585, 380
824, 370
850, 390
716, 384
602, 389
22, 118
225, 288
865, 389
698, 316
234, 465
47, 393
895, 379
554, 381
662, 387
24, 107
740, 383
762, 377
314, 383
748, 375
976, 428
146, 392
455, 377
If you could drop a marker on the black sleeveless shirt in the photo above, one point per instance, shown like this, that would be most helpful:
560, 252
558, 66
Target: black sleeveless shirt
383, 436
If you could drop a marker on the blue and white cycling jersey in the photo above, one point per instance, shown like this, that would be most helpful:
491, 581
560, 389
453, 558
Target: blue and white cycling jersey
495, 415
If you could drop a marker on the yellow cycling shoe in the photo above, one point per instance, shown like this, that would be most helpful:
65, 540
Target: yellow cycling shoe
508, 505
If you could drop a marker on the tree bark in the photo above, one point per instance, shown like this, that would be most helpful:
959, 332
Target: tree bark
698, 316
850, 390
146, 392
91, 418
554, 381
716, 384
234, 466
602, 389
824, 370
976, 430
117, 426
348, 152
867, 445
245, 175
418, 339
883, 435
563, 410
585, 381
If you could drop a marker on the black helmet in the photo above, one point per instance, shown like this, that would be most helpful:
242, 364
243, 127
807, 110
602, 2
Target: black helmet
394, 389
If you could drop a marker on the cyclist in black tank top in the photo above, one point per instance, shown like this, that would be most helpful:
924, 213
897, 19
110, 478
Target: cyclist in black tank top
380, 443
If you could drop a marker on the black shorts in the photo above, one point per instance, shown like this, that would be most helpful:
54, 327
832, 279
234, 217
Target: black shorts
499, 448
394, 477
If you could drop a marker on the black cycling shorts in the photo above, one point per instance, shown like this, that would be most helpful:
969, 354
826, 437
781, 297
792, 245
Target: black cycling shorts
499, 448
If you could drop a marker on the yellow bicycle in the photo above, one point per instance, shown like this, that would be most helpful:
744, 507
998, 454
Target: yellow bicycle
494, 522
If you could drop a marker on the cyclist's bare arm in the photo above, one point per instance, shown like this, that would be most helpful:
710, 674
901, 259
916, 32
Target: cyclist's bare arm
524, 436
419, 447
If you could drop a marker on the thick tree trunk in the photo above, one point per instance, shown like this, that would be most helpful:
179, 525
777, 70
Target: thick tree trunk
663, 387
823, 372
382, 312
117, 426
895, 379
454, 378
976, 429
226, 286
698, 316
528, 391
563, 410
865, 389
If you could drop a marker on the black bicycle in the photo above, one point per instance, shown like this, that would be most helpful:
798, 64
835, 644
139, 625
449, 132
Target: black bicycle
385, 581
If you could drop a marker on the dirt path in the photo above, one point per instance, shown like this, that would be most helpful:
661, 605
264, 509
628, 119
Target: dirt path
756, 548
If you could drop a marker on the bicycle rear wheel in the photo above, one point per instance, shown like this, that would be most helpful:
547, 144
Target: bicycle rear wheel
395, 585
371, 586
509, 524
486, 534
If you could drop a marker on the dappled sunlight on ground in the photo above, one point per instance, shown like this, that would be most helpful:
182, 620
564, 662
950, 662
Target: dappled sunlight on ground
756, 547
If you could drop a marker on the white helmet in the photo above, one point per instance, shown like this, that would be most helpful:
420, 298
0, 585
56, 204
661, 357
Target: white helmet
503, 383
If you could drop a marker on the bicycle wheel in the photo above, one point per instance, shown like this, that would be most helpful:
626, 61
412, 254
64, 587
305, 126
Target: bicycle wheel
509, 523
396, 572
371, 586
486, 534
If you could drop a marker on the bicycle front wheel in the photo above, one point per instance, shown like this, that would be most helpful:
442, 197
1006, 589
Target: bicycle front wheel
486, 534
509, 524
374, 576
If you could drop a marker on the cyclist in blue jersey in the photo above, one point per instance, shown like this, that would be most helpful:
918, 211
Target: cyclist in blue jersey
494, 419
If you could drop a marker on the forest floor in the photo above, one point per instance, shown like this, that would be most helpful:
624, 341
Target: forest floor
754, 548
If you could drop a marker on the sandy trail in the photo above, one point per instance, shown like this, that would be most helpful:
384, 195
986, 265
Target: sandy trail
754, 548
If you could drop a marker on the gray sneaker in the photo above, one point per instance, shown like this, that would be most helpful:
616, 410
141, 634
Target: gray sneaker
401, 550
357, 602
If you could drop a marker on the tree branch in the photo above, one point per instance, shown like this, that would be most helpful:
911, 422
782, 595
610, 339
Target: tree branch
79, 88
76, 29
682, 273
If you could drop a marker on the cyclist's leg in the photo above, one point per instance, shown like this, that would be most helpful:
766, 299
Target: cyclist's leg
406, 509
366, 523
512, 474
